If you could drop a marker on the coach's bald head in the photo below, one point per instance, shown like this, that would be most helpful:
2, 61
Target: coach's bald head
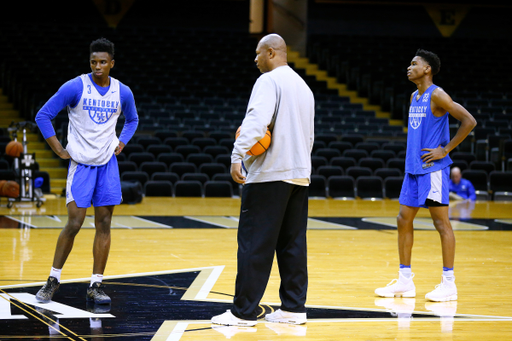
456, 175
270, 53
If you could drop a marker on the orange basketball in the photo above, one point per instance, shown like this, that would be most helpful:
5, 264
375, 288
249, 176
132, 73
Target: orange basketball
14, 148
2, 183
261, 146
11, 189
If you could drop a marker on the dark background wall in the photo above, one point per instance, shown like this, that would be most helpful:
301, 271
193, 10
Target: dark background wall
483, 20
489, 19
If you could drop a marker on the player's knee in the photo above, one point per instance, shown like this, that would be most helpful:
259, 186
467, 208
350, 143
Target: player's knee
103, 224
401, 220
443, 226
73, 227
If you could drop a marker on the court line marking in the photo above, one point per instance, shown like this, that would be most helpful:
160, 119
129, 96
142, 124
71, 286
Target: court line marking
88, 224
38, 318
313, 224
139, 274
202, 285
207, 220
152, 222
425, 223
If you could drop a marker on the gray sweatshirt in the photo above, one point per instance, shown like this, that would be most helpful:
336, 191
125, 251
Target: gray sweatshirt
283, 102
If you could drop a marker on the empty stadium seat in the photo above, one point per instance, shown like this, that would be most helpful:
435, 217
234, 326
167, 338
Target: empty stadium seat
158, 188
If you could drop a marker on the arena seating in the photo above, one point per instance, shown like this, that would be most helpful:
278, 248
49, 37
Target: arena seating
191, 97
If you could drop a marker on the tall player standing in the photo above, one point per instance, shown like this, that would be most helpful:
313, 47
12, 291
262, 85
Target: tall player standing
427, 174
94, 102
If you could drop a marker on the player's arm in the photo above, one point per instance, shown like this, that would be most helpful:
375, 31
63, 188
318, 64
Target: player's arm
260, 111
57, 147
68, 94
131, 118
441, 103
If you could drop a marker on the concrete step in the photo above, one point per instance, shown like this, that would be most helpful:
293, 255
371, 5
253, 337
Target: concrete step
33, 146
5, 105
9, 112
5, 122
33, 137
57, 185
44, 154
55, 173
332, 83
49, 163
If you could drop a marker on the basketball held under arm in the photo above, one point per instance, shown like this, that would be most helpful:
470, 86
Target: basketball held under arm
260, 110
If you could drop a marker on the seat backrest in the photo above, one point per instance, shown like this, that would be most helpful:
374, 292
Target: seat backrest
341, 186
393, 186
158, 188
188, 188
369, 187
218, 188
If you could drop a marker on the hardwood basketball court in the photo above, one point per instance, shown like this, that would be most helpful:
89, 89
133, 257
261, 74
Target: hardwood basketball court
172, 266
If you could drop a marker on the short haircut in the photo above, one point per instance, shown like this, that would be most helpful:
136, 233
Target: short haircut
102, 45
431, 58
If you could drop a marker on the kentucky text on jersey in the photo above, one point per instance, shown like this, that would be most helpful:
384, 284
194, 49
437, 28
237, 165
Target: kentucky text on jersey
100, 111
100, 103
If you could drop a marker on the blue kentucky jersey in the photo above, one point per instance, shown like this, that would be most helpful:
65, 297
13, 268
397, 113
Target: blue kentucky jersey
425, 131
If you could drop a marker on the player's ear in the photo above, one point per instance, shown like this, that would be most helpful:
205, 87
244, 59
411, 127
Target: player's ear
271, 52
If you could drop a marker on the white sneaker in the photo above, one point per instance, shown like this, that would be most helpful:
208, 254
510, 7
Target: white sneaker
282, 316
401, 287
228, 319
446, 291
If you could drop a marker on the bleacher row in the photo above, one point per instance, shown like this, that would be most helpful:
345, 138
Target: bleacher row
375, 67
196, 92
197, 164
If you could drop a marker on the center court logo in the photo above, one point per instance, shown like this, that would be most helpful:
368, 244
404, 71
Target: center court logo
166, 305
100, 111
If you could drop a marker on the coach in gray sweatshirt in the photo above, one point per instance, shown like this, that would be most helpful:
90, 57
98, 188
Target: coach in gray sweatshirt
274, 210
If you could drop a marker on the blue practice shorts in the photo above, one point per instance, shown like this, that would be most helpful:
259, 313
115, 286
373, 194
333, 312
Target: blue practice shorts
417, 188
100, 185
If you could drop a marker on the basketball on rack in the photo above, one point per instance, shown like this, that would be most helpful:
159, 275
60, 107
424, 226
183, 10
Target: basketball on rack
2, 183
11, 189
14, 149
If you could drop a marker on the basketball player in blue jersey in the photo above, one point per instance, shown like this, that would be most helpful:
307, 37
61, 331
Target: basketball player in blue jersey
427, 174
94, 102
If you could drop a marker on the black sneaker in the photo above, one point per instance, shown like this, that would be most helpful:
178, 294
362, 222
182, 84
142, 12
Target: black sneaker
45, 294
96, 294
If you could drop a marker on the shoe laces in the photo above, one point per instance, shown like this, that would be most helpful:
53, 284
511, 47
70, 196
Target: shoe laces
440, 287
392, 282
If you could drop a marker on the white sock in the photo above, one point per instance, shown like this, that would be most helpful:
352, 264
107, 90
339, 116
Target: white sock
406, 272
448, 274
96, 278
55, 273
